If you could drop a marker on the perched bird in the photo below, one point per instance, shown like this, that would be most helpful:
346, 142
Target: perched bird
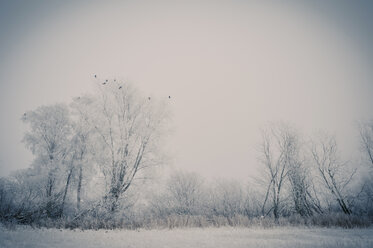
106, 80
95, 76
149, 97
169, 97
115, 80
24, 114
120, 87
103, 83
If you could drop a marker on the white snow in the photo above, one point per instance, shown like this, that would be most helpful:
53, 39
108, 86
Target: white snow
193, 237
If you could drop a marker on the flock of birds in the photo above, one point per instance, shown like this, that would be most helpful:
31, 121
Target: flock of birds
120, 87
104, 83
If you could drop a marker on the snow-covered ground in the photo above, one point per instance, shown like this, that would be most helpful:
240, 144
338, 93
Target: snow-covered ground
209, 237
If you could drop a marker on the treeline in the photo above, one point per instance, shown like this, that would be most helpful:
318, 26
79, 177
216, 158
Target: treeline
86, 154
92, 156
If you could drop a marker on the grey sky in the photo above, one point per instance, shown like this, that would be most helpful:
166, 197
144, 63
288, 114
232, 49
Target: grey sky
230, 67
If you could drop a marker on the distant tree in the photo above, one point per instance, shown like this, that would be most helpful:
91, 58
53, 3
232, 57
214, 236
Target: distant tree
276, 144
300, 178
228, 198
334, 173
27, 192
366, 137
184, 190
8, 205
286, 171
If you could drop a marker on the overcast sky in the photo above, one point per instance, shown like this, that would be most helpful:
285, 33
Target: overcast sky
230, 67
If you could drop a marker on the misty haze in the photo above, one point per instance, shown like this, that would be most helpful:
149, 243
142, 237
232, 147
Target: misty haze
186, 123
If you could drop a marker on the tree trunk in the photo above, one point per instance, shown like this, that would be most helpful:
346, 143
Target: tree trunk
275, 212
49, 196
79, 189
65, 192
344, 207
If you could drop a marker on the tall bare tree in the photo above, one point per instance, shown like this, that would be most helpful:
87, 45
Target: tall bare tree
127, 128
276, 143
284, 160
81, 141
48, 137
334, 174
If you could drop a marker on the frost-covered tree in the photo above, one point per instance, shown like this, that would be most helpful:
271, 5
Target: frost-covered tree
305, 201
335, 174
228, 198
276, 145
366, 138
286, 171
81, 144
366, 146
126, 133
184, 191
48, 140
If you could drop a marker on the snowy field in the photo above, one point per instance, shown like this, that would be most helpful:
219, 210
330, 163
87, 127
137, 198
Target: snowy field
209, 237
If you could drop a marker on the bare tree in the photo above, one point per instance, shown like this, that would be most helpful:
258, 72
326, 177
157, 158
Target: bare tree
229, 199
81, 141
334, 173
47, 139
301, 184
276, 144
366, 139
69, 171
366, 136
74, 162
126, 130
184, 191
286, 171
